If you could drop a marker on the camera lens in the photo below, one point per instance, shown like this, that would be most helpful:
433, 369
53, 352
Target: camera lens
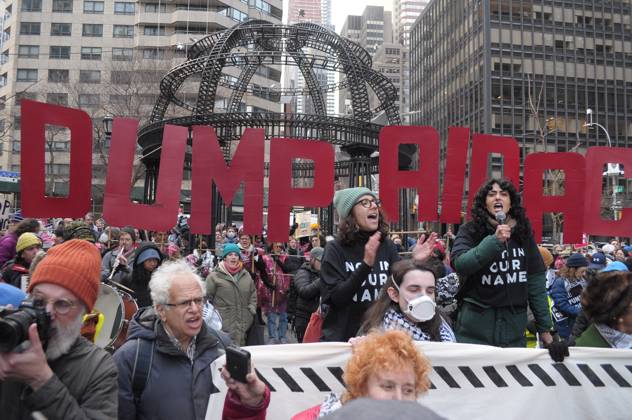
14, 330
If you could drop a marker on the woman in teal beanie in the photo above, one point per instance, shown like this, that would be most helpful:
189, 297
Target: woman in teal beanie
357, 264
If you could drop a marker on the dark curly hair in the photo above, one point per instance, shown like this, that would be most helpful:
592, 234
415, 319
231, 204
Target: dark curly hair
27, 225
607, 297
480, 216
348, 231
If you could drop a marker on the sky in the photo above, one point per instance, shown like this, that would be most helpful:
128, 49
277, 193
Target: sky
342, 8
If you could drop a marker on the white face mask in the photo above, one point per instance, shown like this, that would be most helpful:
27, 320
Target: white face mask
421, 309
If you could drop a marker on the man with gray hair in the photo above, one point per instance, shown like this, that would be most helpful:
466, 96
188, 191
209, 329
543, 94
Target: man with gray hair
172, 336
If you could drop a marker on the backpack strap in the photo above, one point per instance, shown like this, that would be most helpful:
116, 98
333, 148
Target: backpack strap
142, 367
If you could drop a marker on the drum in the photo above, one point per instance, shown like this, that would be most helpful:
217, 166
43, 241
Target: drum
118, 308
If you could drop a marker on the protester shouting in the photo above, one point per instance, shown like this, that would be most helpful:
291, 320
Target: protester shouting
501, 271
357, 264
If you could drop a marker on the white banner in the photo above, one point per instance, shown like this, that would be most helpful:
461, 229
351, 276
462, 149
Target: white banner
468, 381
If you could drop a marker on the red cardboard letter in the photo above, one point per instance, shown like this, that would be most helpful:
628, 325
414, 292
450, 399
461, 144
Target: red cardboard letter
482, 146
596, 158
424, 179
282, 195
454, 176
35, 116
536, 203
118, 210
209, 166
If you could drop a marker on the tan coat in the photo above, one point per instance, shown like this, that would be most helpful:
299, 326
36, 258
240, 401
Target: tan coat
235, 298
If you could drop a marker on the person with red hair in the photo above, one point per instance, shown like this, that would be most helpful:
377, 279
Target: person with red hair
384, 366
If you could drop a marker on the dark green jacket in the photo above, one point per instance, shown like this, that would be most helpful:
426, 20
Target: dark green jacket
473, 256
592, 338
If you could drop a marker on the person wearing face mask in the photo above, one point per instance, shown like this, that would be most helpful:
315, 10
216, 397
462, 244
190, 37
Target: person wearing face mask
357, 264
501, 270
384, 366
232, 291
407, 303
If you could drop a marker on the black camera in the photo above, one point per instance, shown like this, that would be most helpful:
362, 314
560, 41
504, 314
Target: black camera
15, 323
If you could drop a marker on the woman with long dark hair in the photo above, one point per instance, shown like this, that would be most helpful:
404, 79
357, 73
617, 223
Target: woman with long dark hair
407, 303
501, 270
357, 264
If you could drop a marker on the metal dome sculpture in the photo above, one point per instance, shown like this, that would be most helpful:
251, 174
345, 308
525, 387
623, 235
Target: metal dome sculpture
248, 46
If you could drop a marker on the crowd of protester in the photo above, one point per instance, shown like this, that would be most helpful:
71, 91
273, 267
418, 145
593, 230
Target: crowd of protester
377, 290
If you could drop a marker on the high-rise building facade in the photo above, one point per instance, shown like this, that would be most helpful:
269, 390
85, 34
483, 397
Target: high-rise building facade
526, 69
106, 58
405, 12
319, 12
372, 29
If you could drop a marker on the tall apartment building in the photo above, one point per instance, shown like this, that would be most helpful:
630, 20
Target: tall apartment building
405, 12
392, 60
526, 69
312, 11
372, 29
106, 57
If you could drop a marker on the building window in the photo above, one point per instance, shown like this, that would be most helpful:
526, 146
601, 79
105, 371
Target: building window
122, 54
119, 99
93, 7
90, 53
58, 76
92, 29
123, 31
59, 52
153, 53
60, 29
155, 7
24, 95
27, 75
32, 5
28, 51
154, 30
57, 98
88, 100
89, 76
121, 77
62, 6
124, 8
30, 28
3, 82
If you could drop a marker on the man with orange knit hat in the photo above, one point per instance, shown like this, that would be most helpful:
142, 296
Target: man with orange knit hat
67, 377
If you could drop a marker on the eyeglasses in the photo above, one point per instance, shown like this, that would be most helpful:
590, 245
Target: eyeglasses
60, 306
199, 302
367, 202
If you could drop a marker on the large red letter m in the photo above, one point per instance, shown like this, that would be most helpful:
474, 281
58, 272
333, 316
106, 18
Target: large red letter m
208, 166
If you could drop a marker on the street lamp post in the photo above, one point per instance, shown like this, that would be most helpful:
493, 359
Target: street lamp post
613, 170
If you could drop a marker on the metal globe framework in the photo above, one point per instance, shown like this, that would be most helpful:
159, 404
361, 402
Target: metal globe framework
247, 47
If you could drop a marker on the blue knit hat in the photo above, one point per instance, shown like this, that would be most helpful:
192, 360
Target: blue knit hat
344, 200
148, 254
228, 248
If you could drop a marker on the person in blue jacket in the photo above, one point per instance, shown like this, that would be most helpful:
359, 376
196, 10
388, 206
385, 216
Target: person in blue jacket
566, 293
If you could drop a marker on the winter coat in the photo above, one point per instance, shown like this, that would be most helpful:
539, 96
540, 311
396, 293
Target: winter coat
13, 271
7, 247
176, 388
235, 298
566, 297
107, 263
84, 386
133, 280
592, 338
498, 280
281, 282
307, 285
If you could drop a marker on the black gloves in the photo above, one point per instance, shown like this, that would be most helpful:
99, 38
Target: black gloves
558, 350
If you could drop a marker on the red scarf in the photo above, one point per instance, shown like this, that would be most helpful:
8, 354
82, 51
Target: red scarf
233, 271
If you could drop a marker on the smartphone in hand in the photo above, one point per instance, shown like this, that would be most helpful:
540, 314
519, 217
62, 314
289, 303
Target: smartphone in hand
238, 363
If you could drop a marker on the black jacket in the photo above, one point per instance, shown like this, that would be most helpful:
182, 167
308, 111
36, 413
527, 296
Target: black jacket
176, 388
138, 278
349, 286
307, 285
